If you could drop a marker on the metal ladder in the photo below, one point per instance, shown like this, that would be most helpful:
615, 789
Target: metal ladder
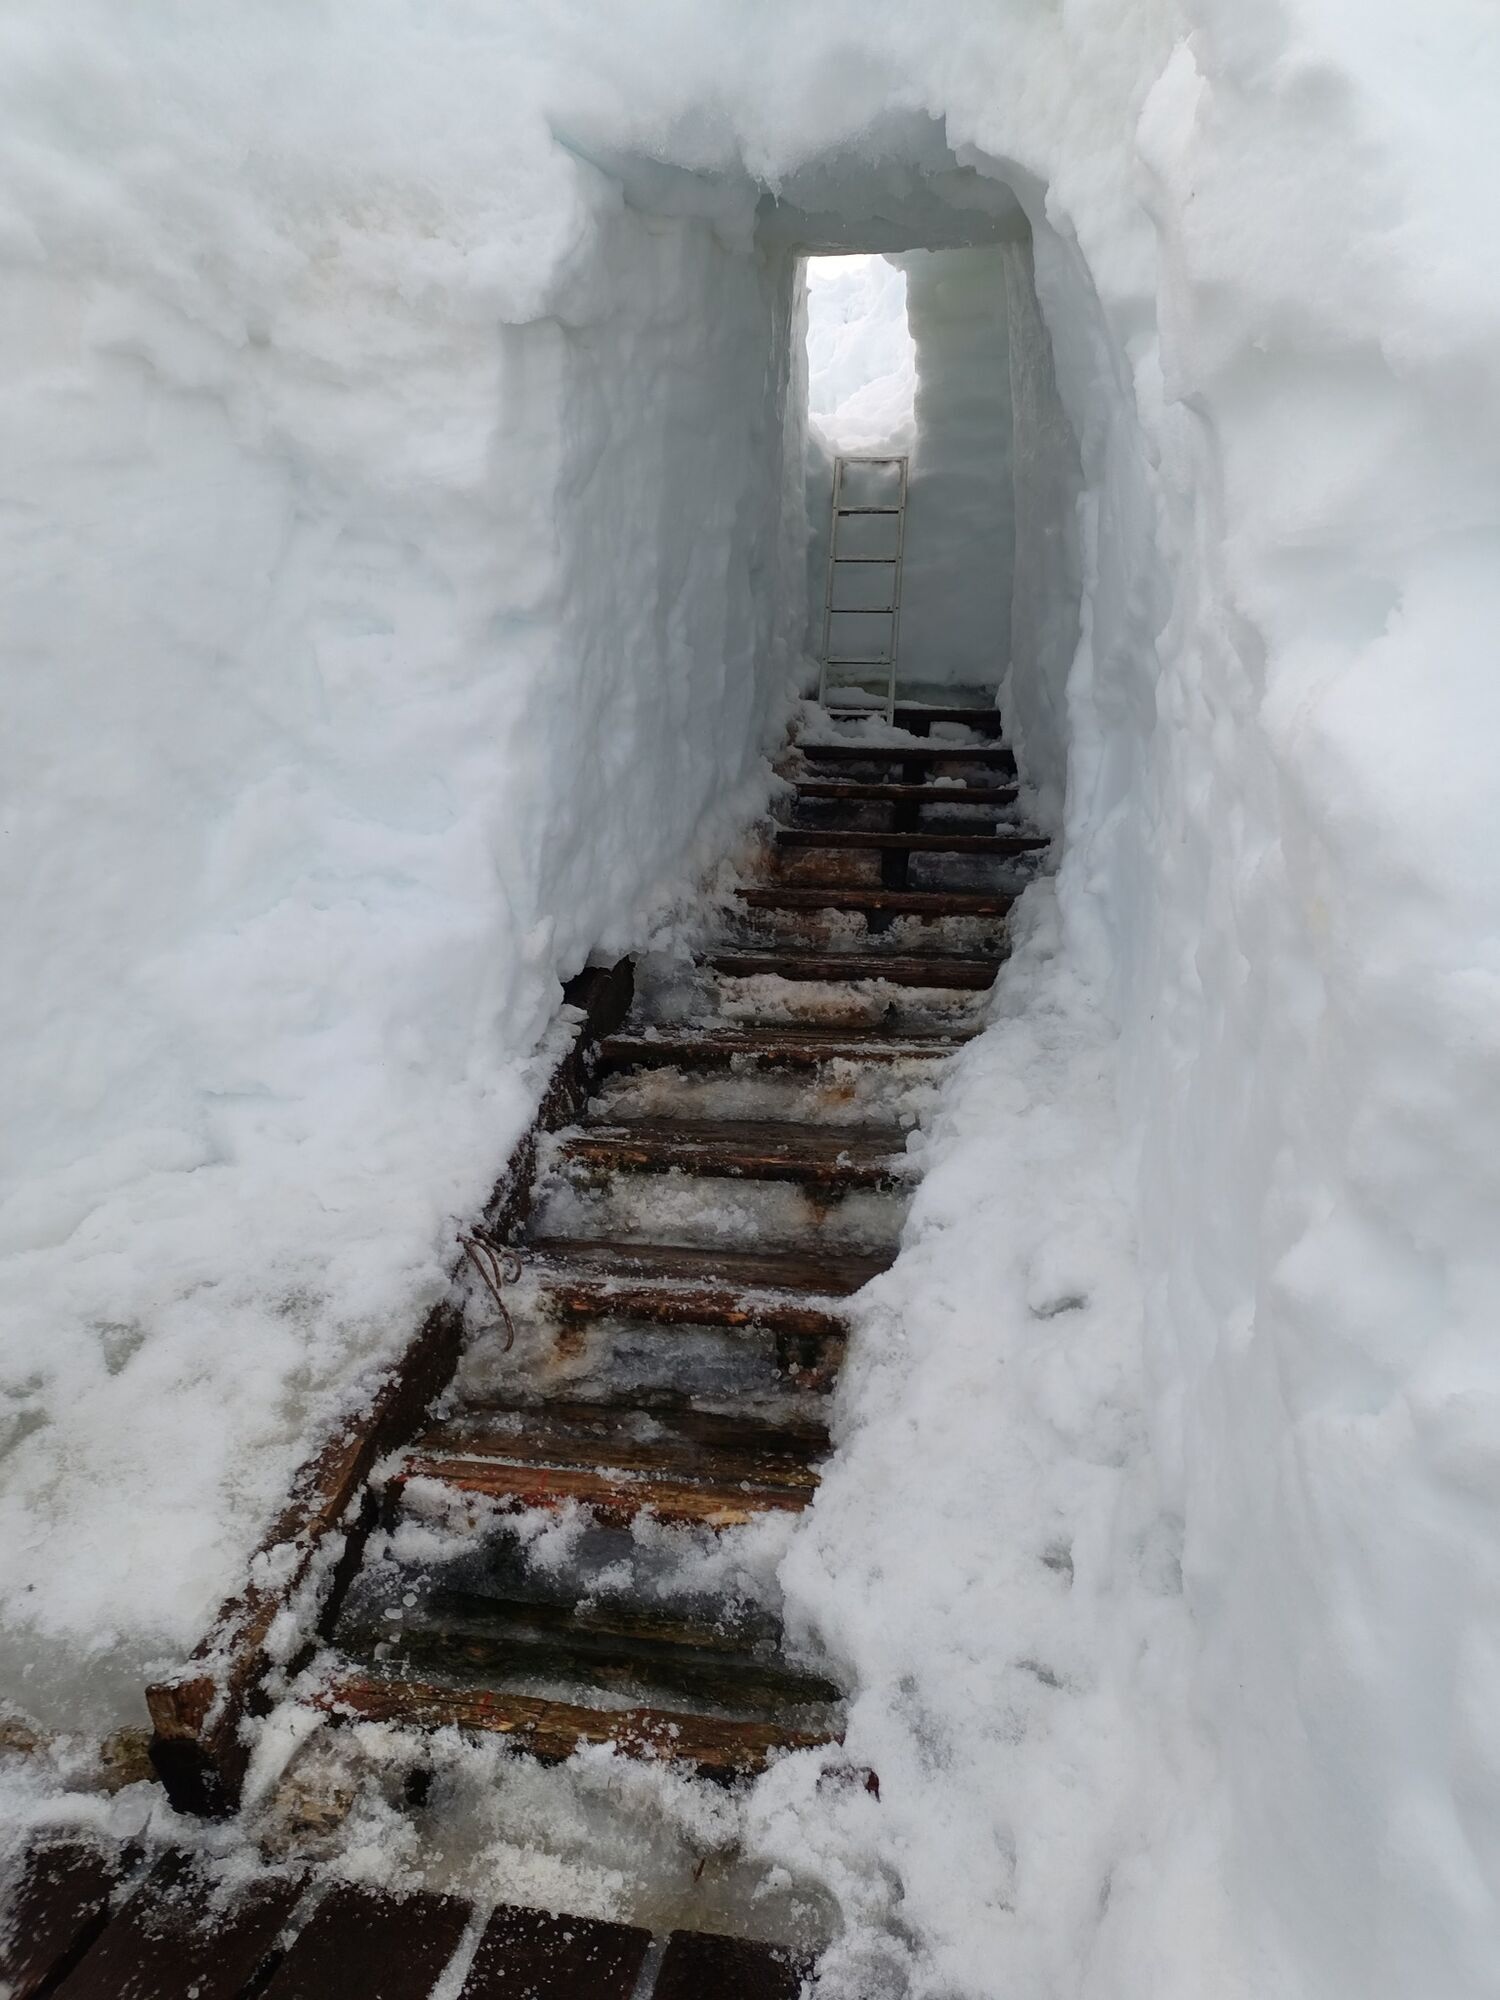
842, 558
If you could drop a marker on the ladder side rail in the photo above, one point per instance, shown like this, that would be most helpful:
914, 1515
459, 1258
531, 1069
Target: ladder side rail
833, 546
890, 704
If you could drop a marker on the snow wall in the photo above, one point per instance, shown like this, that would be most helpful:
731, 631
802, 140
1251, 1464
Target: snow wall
288, 547
960, 517
392, 615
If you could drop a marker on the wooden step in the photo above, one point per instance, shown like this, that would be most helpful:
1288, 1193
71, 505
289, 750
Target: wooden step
996, 755
814, 1155
697, 1966
769, 1046
474, 1641
55, 1911
869, 792
534, 1955
879, 902
912, 843
362, 1942
682, 1472
786, 1292
970, 972
615, 1498
698, 1443
920, 715
173, 1938
716, 1746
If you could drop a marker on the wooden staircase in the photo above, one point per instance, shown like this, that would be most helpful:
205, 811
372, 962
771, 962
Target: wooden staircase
722, 1177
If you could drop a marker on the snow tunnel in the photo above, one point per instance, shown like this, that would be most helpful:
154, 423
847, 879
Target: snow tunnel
741, 485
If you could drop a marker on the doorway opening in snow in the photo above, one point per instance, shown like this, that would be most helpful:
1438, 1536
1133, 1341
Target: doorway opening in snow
908, 356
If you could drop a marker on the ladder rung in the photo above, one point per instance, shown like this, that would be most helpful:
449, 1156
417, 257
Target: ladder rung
868, 510
889, 561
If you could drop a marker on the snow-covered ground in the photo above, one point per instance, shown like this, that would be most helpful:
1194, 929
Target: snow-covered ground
402, 535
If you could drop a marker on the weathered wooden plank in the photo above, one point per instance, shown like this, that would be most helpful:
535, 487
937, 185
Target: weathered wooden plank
181, 1936
360, 1945
872, 791
58, 1908
692, 1429
739, 1627
760, 1278
994, 756
914, 842
477, 1641
942, 970
697, 1966
533, 1955
760, 1454
886, 902
770, 1046
717, 1746
615, 1498
820, 1155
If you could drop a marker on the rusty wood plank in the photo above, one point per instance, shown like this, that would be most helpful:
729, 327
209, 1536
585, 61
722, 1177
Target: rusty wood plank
893, 793
739, 1627
718, 1746
471, 1640
821, 1155
533, 1955
758, 1453
913, 842
970, 972
696, 1965
993, 756
182, 1937
362, 1945
688, 1305
888, 902
59, 1907
800, 1440
773, 1046
756, 1276
616, 1498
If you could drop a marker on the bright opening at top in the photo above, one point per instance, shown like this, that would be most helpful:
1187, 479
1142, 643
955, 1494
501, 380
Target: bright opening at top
861, 360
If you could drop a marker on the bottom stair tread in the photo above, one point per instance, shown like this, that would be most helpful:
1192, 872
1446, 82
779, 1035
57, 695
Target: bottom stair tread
817, 1274
717, 1746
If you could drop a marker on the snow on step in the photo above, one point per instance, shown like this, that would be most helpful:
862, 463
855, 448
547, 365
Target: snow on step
820, 1155
912, 842
784, 1291
771, 1045
971, 972
552, 1730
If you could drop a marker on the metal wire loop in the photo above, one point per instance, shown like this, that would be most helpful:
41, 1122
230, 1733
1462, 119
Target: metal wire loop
498, 1265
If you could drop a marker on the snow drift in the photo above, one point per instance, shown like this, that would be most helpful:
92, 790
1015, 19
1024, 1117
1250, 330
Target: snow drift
398, 404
